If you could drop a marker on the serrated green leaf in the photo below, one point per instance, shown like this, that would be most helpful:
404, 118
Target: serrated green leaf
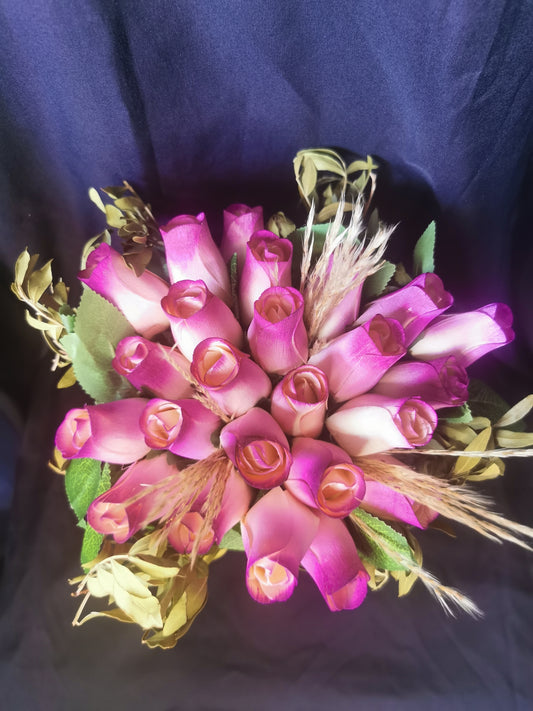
424, 254
375, 284
98, 328
485, 402
82, 480
232, 541
383, 539
91, 544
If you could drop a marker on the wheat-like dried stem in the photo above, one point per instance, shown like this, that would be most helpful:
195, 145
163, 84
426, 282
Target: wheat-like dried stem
458, 503
345, 262
462, 453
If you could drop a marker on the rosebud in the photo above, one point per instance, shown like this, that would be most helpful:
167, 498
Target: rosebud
299, 401
240, 222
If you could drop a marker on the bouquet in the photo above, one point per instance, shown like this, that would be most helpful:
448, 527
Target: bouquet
288, 393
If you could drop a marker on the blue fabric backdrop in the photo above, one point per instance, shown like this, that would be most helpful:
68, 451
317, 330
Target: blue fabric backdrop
200, 104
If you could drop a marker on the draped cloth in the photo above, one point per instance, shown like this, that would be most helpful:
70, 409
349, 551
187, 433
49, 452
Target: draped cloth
200, 104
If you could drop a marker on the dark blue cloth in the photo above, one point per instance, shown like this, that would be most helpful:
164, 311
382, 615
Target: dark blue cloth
200, 104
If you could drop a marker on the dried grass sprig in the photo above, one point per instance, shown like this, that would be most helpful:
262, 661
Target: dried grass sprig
345, 262
458, 503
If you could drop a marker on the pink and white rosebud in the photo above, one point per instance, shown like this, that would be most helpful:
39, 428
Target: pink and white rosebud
467, 336
140, 496
323, 476
334, 565
183, 532
256, 445
267, 263
382, 501
192, 254
152, 366
137, 297
184, 427
374, 423
277, 335
414, 305
440, 383
299, 401
109, 432
240, 222
235, 503
342, 315
355, 361
229, 376
196, 314
276, 532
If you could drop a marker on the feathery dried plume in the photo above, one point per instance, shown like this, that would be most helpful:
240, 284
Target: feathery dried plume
445, 595
458, 503
345, 262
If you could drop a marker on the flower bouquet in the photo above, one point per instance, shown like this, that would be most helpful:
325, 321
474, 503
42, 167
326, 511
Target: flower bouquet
289, 393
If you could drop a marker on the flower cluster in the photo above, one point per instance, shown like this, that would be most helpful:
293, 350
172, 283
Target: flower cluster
270, 423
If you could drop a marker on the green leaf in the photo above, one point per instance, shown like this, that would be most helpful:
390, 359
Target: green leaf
232, 541
384, 538
485, 402
98, 328
82, 481
91, 544
68, 318
375, 284
456, 415
424, 254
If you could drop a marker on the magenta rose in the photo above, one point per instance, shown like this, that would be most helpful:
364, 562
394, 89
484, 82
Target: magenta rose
414, 305
256, 445
229, 376
277, 532
299, 401
323, 476
440, 383
267, 263
196, 314
152, 366
277, 335
184, 427
467, 336
192, 254
140, 496
138, 297
332, 561
240, 222
355, 361
109, 432
374, 423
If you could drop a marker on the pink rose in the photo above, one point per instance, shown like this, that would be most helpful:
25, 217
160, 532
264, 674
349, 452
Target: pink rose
152, 366
138, 297
323, 476
355, 361
258, 448
184, 427
414, 305
299, 401
467, 336
277, 335
235, 503
267, 263
380, 500
229, 376
240, 222
196, 314
192, 254
109, 432
140, 496
276, 532
334, 565
440, 383
375, 423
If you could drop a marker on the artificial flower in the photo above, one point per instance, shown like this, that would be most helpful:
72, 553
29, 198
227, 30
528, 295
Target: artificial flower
299, 401
240, 222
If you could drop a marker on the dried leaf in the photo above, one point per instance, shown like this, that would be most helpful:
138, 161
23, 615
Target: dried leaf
94, 196
463, 465
177, 617
513, 440
156, 568
114, 217
68, 379
21, 267
516, 413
